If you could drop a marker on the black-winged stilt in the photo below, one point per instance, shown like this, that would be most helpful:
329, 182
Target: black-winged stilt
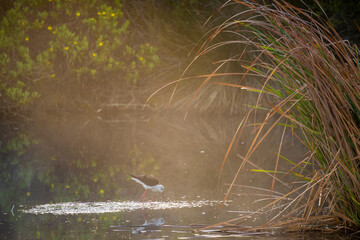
149, 183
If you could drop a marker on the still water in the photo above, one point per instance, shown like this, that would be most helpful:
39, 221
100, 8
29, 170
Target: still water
131, 220
67, 178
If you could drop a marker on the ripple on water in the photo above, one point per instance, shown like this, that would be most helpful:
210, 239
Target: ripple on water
107, 207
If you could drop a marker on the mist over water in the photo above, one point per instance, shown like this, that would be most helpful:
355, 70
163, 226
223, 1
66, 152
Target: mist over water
88, 162
185, 155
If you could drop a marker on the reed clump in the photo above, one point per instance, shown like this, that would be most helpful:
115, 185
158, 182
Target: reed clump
312, 77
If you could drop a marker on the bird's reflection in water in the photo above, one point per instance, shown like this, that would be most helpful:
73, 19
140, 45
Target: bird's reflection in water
147, 227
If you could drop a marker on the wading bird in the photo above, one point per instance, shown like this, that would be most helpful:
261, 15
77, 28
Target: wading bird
149, 183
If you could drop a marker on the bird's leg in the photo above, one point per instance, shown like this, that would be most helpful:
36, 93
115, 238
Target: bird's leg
143, 214
148, 201
143, 196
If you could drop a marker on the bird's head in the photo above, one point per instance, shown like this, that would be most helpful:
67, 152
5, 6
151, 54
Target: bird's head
159, 188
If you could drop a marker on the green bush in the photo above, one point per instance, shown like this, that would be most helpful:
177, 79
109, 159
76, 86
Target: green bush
61, 45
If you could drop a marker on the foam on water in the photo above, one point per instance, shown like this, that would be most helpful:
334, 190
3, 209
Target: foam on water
107, 207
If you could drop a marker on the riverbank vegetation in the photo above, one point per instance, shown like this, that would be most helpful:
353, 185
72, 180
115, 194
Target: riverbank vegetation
52, 50
309, 80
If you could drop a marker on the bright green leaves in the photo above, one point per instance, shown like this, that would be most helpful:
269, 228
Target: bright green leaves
145, 59
51, 44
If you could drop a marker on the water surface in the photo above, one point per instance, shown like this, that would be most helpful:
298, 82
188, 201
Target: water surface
71, 178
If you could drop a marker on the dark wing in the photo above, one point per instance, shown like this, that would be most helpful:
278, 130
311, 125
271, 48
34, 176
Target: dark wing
148, 180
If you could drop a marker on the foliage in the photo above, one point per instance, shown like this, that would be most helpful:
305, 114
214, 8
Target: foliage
311, 78
17, 177
342, 15
62, 45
